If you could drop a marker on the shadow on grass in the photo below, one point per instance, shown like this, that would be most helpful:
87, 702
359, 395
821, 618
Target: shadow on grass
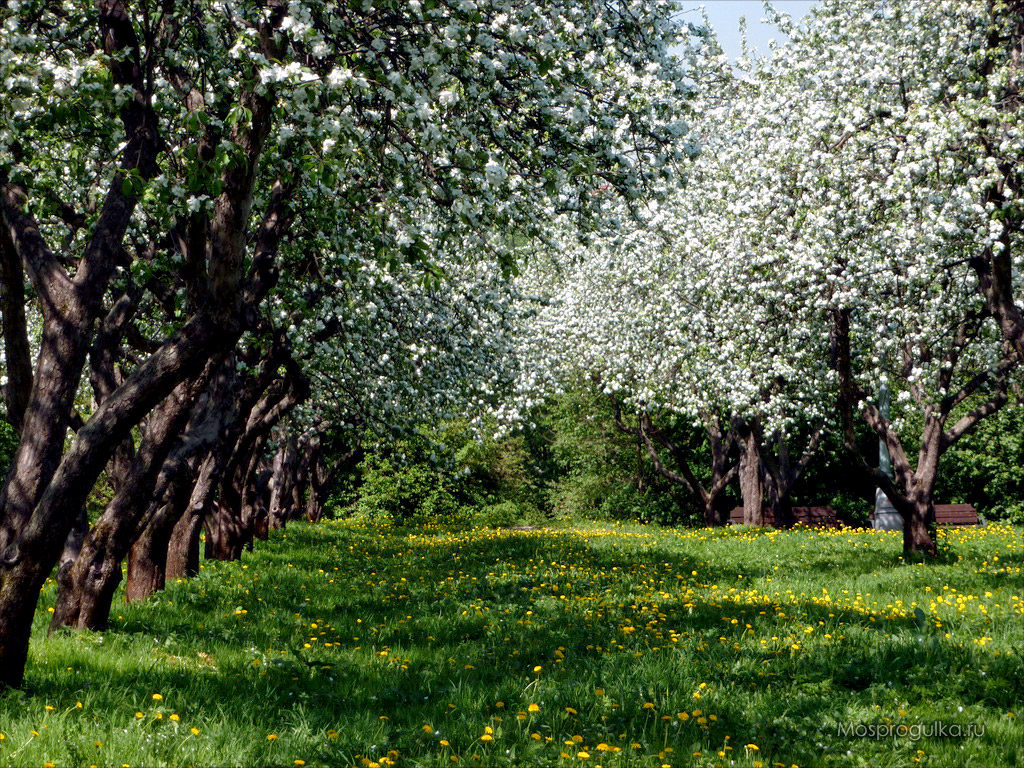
428, 651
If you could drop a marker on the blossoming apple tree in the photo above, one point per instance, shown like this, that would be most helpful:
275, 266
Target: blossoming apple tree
194, 151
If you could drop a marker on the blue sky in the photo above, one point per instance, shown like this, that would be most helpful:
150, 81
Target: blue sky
725, 18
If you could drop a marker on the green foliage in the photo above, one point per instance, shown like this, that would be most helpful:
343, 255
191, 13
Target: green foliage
591, 469
984, 468
504, 514
573, 463
447, 473
402, 491
8, 445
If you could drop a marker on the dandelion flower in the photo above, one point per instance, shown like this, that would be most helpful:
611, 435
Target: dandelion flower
157, 697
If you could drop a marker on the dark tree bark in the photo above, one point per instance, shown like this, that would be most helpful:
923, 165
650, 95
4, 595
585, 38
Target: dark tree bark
147, 558
322, 478
183, 547
778, 473
85, 604
43, 489
282, 481
17, 354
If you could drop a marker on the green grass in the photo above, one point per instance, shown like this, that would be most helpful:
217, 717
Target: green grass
350, 644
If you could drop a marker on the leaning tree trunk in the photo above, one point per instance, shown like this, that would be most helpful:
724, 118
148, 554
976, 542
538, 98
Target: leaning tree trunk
281, 483
147, 559
97, 571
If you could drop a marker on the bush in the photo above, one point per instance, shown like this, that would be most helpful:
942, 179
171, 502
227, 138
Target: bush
449, 472
508, 513
401, 492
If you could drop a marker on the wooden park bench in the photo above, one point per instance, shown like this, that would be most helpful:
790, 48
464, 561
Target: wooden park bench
956, 514
951, 514
812, 517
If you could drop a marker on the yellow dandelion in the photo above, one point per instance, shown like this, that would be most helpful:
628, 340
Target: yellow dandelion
298, 762
139, 715
157, 697
175, 717
195, 731
486, 737
533, 708
427, 729
272, 737
583, 755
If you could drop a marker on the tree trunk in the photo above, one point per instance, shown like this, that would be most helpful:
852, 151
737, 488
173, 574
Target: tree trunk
147, 559
72, 548
17, 353
918, 525
97, 572
85, 596
183, 548
751, 479
19, 593
224, 535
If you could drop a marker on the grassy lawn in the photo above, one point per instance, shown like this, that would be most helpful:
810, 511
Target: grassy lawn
350, 644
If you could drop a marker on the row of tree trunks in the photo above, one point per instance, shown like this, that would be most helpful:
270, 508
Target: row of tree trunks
767, 473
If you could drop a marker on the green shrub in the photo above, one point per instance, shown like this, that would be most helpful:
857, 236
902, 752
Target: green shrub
507, 513
403, 491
